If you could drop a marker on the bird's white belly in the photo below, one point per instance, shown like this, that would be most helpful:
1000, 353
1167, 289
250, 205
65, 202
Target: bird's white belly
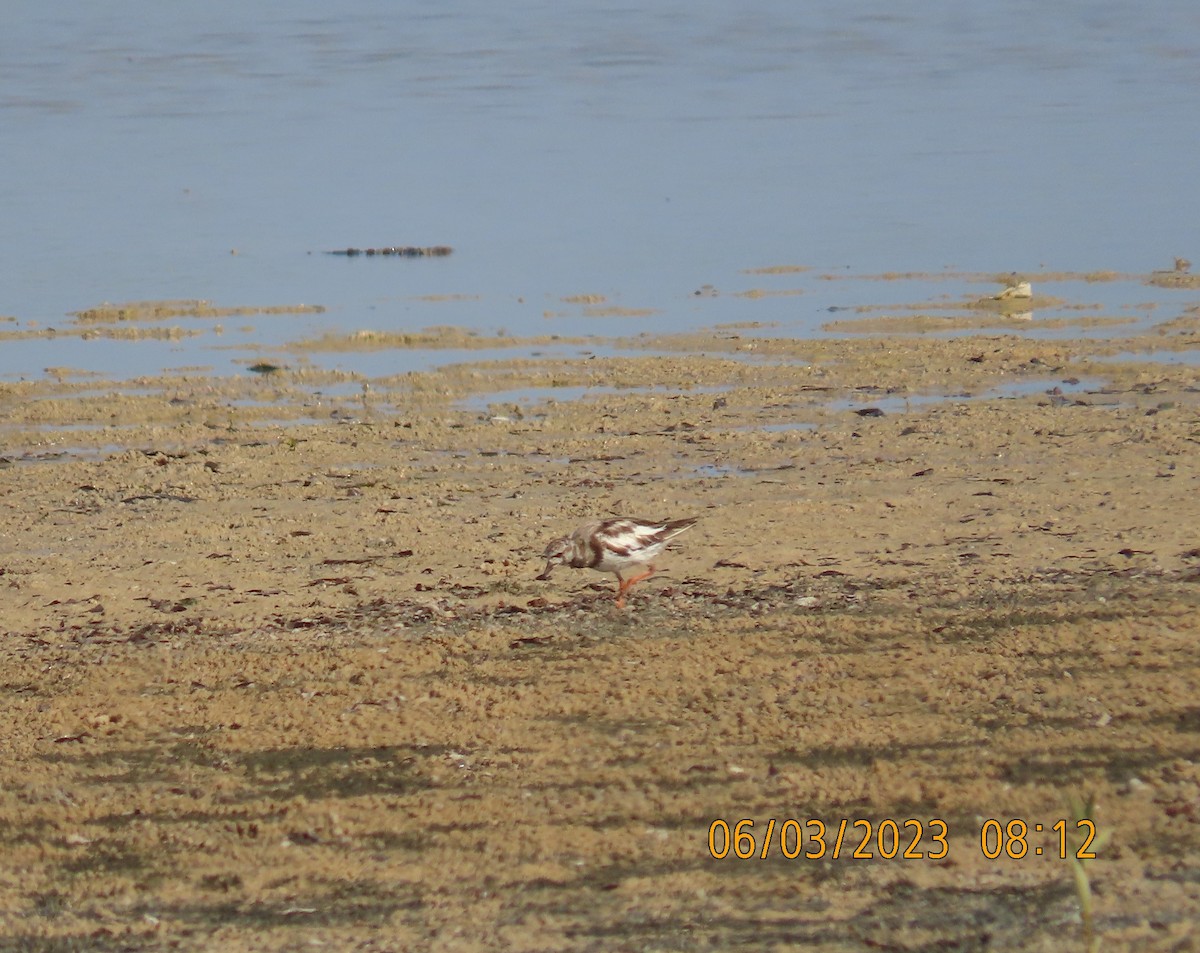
614, 562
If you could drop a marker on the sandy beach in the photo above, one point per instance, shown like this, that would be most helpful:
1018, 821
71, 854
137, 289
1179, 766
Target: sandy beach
278, 673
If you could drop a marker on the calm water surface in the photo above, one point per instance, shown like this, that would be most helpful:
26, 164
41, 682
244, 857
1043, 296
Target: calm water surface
564, 148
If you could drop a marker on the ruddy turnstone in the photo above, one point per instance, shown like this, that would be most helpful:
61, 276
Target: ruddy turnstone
614, 545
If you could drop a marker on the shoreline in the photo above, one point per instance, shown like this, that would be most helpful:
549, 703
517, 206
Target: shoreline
273, 683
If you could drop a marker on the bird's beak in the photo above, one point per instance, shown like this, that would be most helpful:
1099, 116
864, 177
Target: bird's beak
545, 573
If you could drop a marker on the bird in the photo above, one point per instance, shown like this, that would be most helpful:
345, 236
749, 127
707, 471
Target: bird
1016, 287
614, 545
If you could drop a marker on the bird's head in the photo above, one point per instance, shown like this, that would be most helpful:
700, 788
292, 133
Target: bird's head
556, 552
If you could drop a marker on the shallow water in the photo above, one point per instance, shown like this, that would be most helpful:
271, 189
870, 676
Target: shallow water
573, 149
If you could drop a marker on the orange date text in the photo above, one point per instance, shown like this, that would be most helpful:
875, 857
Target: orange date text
813, 839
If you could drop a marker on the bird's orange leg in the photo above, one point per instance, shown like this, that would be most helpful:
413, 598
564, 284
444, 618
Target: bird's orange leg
627, 584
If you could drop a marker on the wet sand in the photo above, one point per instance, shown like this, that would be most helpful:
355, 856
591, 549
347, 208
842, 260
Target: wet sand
278, 672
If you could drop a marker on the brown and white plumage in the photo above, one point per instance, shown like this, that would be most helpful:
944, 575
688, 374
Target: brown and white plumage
616, 546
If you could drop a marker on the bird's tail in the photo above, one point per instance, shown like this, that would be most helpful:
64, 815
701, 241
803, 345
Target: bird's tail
673, 528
